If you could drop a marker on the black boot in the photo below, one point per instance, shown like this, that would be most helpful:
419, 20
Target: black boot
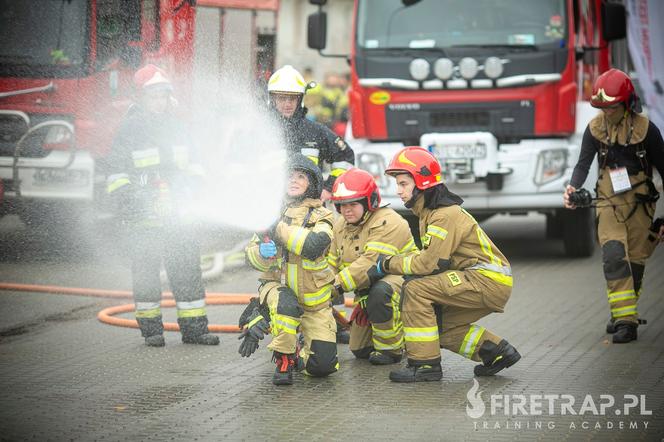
378, 357
155, 341
496, 357
625, 332
417, 373
611, 326
283, 374
195, 331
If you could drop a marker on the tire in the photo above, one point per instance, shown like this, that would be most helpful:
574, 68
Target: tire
554, 224
579, 237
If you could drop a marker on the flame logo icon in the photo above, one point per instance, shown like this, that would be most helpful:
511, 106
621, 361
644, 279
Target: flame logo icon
476, 408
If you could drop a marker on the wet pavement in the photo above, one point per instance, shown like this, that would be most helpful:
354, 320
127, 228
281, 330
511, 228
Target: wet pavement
66, 376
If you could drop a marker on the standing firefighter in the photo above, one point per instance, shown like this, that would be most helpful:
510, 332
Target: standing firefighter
296, 284
286, 89
627, 145
361, 235
458, 277
153, 176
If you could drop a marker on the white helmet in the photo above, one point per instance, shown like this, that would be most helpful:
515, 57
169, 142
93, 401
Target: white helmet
287, 80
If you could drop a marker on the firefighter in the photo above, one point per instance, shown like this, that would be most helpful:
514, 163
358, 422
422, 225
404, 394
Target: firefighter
457, 278
286, 90
153, 173
628, 145
295, 251
363, 232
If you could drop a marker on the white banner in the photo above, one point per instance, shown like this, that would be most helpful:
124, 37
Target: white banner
645, 36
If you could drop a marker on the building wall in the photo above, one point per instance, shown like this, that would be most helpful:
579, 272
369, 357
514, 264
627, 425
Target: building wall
292, 36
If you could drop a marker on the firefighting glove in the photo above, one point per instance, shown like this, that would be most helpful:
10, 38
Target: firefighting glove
376, 273
267, 249
254, 327
359, 315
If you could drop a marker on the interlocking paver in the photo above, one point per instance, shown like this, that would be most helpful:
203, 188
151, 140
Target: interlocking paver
66, 376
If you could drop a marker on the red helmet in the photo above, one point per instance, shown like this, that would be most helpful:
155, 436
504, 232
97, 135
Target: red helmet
153, 78
614, 87
356, 185
419, 163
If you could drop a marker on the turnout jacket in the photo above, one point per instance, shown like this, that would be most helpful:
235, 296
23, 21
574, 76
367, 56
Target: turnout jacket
303, 236
153, 169
451, 240
319, 144
355, 248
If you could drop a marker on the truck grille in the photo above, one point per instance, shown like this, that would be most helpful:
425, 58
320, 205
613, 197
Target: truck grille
460, 120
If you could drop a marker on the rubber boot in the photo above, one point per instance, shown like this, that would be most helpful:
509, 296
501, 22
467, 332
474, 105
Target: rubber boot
283, 374
155, 341
378, 357
417, 373
496, 357
611, 325
204, 339
625, 332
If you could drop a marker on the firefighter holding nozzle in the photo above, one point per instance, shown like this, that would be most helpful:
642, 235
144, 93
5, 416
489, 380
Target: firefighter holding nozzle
627, 146
153, 175
296, 282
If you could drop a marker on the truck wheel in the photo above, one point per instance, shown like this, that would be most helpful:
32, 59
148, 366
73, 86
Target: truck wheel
579, 232
554, 224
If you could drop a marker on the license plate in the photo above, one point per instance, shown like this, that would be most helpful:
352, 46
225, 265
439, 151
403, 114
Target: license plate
460, 151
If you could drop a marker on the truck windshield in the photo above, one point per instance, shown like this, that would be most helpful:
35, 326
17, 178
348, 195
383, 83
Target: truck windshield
444, 23
44, 37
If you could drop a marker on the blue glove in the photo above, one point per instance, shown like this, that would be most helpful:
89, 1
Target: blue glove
267, 249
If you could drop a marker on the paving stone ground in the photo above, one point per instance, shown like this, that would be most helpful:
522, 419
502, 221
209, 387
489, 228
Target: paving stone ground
66, 376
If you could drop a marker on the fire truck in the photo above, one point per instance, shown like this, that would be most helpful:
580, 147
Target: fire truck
66, 70
498, 91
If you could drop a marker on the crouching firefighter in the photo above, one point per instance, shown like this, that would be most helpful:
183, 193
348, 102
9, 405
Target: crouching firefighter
628, 145
457, 278
296, 284
364, 232
152, 177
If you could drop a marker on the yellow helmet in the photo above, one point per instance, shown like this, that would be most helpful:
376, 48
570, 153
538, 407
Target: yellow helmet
287, 80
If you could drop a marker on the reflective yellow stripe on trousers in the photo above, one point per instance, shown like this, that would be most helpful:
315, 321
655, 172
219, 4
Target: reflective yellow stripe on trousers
421, 334
470, 341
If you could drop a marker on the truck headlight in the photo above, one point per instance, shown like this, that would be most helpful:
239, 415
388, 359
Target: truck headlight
551, 165
419, 69
373, 163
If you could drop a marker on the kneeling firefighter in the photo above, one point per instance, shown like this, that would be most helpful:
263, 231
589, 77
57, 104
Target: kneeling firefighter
153, 176
296, 284
364, 232
628, 145
457, 278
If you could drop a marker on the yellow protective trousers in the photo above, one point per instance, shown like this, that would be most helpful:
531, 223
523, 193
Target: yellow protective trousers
439, 311
385, 331
318, 327
623, 222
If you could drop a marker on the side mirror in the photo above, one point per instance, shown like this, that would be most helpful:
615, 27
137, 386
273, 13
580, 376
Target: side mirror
317, 30
614, 21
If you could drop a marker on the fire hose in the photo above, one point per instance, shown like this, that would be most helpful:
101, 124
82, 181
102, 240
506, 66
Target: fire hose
107, 315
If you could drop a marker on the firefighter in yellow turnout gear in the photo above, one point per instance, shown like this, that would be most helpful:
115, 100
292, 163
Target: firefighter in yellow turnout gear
364, 232
627, 146
296, 284
457, 278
